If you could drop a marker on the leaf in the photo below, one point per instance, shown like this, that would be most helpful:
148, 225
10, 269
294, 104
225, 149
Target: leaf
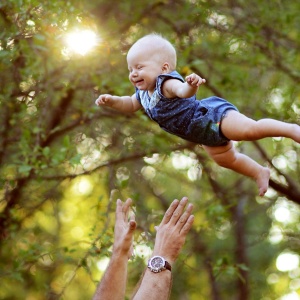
46, 151
25, 169
75, 160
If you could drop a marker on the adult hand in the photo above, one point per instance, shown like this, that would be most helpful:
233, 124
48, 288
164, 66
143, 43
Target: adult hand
113, 282
173, 229
124, 229
170, 237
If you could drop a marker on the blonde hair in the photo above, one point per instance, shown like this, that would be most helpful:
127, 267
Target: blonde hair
161, 46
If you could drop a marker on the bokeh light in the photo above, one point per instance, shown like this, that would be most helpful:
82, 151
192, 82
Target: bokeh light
287, 261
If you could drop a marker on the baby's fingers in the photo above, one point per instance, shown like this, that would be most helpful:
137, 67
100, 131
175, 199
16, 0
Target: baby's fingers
194, 80
189, 78
99, 101
102, 100
198, 81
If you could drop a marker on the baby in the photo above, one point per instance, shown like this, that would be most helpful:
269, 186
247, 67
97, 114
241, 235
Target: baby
170, 101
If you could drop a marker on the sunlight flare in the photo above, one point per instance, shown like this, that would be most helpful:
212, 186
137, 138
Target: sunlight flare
81, 41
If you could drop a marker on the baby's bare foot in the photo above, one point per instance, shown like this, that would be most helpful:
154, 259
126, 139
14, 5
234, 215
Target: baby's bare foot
262, 181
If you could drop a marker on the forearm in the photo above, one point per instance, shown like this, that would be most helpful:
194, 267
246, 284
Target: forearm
123, 104
187, 91
154, 286
113, 282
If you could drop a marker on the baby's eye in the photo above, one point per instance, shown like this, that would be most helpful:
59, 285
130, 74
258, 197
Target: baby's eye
139, 67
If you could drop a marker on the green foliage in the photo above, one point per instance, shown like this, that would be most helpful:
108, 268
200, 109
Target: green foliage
64, 162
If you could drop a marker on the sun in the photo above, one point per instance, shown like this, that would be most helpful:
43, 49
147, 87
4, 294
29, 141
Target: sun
81, 41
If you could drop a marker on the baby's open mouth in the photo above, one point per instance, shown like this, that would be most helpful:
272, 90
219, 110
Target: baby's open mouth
138, 81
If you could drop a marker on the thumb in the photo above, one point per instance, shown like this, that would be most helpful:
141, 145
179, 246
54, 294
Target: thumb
132, 225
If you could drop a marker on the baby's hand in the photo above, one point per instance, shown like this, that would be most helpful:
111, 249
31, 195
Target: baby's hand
104, 99
194, 79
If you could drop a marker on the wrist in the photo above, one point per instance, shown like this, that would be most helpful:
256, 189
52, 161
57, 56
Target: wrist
119, 254
157, 264
165, 255
190, 90
119, 257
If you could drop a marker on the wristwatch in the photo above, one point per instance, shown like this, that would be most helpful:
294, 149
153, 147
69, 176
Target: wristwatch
157, 264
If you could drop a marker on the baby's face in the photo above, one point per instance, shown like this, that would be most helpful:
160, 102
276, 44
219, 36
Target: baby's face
144, 66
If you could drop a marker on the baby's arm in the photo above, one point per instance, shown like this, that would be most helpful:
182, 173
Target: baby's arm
175, 88
125, 104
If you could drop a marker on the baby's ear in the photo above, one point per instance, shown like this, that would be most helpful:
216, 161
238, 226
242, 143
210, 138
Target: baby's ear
165, 68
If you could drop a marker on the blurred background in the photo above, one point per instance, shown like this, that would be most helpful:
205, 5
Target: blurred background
64, 161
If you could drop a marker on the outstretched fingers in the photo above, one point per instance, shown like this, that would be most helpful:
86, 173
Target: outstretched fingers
126, 206
175, 212
122, 209
178, 211
186, 219
119, 208
125, 226
169, 213
187, 225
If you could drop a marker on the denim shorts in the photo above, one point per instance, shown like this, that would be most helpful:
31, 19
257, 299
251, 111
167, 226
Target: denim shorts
205, 125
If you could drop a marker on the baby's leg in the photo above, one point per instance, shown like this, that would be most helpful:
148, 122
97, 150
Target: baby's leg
228, 157
237, 127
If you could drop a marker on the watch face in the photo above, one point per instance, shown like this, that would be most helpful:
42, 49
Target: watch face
157, 264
